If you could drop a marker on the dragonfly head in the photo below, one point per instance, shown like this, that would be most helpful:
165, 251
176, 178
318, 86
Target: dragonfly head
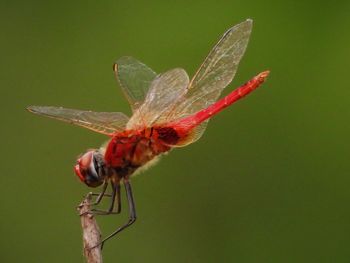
90, 168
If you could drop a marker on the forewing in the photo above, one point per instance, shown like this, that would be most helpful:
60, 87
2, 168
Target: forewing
102, 122
216, 72
134, 78
163, 93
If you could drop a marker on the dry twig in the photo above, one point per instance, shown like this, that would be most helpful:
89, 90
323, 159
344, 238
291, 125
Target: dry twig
91, 232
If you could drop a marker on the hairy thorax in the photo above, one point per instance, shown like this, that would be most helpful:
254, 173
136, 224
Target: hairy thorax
129, 150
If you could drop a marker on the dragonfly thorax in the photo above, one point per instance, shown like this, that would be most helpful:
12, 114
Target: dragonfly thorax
130, 150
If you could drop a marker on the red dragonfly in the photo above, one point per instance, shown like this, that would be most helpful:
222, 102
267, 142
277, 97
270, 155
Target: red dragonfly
169, 110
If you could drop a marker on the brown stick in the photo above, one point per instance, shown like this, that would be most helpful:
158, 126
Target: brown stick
91, 232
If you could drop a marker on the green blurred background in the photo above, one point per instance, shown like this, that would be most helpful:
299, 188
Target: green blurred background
268, 182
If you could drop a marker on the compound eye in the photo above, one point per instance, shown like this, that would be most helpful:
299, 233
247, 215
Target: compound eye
86, 171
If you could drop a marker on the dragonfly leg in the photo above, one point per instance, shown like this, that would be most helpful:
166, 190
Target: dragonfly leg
98, 198
102, 194
97, 194
115, 195
132, 214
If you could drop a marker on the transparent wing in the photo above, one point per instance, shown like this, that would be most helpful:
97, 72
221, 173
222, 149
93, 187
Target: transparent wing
102, 122
134, 78
163, 93
216, 72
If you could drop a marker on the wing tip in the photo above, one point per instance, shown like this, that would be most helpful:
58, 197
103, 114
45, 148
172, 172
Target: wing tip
31, 109
40, 109
246, 25
124, 59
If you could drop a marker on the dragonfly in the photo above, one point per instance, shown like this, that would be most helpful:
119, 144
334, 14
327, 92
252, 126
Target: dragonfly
168, 111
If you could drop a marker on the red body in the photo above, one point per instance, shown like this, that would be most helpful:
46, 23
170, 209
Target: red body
194, 120
131, 149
